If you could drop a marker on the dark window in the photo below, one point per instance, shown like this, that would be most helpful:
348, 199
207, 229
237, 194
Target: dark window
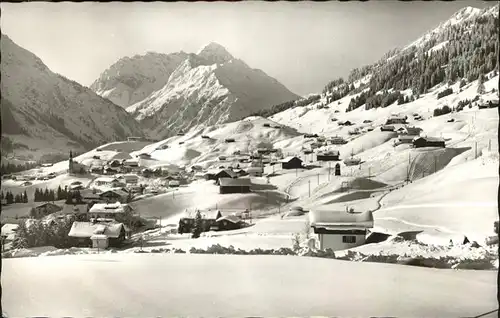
349, 239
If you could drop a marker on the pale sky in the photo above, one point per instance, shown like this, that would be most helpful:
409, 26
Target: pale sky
303, 45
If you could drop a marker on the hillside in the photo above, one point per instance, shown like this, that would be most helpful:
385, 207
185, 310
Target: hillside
462, 49
208, 88
130, 80
45, 113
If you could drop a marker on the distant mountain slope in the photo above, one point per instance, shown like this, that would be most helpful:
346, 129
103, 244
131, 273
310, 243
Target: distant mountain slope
208, 88
130, 80
43, 112
463, 48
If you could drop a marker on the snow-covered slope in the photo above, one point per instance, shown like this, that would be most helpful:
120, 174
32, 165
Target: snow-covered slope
208, 88
185, 285
43, 112
130, 80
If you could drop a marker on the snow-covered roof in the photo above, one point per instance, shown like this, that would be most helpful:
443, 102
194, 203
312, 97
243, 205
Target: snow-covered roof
105, 179
205, 214
230, 182
116, 191
289, 158
109, 208
340, 219
88, 229
432, 139
230, 218
9, 229
129, 177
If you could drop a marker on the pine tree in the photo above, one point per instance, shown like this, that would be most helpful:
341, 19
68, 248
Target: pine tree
2, 196
59, 193
78, 197
480, 87
198, 223
17, 198
25, 197
46, 195
462, 83
401, 99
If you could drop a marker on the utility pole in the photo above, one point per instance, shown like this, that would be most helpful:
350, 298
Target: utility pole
475, 150
318, 178
309, 188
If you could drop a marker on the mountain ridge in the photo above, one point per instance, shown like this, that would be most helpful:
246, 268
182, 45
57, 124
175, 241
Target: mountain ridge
44, 112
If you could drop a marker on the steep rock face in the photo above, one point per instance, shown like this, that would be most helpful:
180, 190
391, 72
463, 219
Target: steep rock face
208, 88
43, 112
130, 80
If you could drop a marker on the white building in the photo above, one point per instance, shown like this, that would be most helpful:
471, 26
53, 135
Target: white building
340, 230
109, 210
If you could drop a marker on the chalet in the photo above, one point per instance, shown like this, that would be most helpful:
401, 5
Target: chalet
115, 163
405, 139
263, 151
44, 209
174, 183
328, 156
222, 158
109, 210
387, 128
291, 162
114, 233
451, 120
26, 184
108, 182
307, 151
334, 119
346, 123
337, 141
90, 196
227, 140
230, 185
340, 230
310, 135
114, 196
489, 104
240, 172
97, 169
255, 171
429, 142
205, 137
395, 120
110, 171
352, 161
208, 220
411, 131
133, 163
199, 176
366, 121
128, 179
228, 223
227, 173
266, 125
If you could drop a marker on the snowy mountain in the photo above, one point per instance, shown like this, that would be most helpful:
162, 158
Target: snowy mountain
208, 88
130, 80
44, 112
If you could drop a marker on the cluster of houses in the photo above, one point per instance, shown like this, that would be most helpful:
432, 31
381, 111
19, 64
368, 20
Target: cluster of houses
211, 220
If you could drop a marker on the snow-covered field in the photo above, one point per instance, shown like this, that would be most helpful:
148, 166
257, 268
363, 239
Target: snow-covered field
147, 285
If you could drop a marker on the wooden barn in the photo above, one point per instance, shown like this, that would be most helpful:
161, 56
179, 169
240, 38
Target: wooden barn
255, 171
429, 142
228, 223
405, 139
229, 185
328, 156
291, 162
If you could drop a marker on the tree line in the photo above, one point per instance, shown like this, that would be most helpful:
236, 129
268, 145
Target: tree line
10, 198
